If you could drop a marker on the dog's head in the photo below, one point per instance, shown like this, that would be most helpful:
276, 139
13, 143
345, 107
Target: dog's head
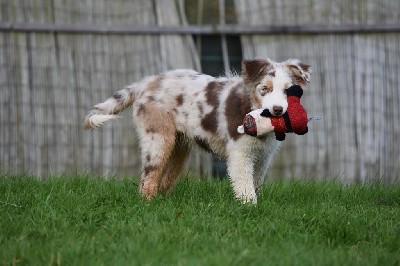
268, 81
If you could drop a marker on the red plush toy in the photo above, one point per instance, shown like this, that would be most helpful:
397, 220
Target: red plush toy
260, 122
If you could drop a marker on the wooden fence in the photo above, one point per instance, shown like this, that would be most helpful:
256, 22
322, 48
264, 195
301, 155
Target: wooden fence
355, 84
50, 78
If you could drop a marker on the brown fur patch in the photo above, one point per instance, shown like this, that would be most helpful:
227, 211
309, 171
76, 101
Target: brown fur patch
297, 76
149, 168
179, 99
237, 106
151, 130
305, 67
161, 122
298, 80
200, 107
158, 120
210, 122
254, 69
141, 110
155, 84
269, 85
117, 96
131, 95
123, 98
202, 144
175, 163
212, 91
255, 99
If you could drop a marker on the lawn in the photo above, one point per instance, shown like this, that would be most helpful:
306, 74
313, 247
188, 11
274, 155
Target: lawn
92, 221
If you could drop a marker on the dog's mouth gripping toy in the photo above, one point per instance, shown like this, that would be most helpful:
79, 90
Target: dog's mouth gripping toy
260, 122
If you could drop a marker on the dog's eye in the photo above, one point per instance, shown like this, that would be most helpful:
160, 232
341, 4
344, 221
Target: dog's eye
265, 90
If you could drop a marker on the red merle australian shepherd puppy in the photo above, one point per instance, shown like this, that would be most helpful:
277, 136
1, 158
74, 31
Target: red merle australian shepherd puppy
179, 108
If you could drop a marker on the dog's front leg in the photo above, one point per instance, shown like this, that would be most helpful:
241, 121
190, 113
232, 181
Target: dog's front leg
264, 159
240, 170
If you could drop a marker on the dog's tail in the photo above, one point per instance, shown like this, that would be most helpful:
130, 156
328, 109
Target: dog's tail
103, 112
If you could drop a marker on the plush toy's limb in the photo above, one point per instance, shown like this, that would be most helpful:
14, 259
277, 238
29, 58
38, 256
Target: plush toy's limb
256, 125
265, 127
303, 132
280, 136
295, 90
250, 125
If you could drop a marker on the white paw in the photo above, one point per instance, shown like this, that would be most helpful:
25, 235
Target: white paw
248, 199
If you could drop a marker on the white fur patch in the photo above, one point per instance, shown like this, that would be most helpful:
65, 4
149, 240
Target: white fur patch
277, 97
99, 120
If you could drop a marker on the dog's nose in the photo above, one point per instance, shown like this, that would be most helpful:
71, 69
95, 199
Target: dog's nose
278, 110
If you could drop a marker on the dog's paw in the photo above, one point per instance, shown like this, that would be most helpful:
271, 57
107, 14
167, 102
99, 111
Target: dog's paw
148, 190
248, 199
240, 129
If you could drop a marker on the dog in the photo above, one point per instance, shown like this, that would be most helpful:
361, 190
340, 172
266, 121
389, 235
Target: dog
179, 108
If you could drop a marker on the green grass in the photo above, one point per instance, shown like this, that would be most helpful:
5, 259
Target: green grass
88, 221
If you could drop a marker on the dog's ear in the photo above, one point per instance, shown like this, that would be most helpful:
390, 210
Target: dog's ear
254, 69
301, 73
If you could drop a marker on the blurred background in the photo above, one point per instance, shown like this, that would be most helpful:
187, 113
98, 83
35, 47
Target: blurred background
58, 58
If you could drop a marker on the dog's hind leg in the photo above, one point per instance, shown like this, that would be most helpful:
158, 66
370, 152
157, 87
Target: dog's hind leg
175, 164
157, 134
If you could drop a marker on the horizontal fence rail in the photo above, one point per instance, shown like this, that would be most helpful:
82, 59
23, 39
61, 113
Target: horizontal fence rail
228, 29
